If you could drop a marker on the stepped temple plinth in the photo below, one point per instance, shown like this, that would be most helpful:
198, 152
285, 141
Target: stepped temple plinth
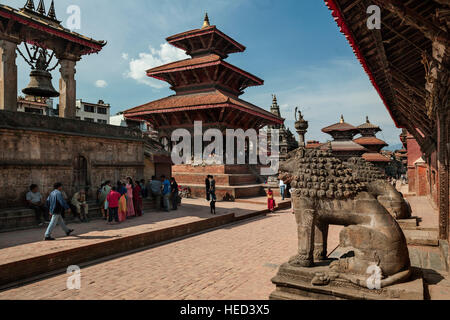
207, 89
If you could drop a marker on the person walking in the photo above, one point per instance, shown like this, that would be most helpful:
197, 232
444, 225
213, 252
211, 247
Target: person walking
80, 204
166, 193
113, 203
130, 205
174, 192
57, 205
137, 199
282, 190
207, 185
35, 202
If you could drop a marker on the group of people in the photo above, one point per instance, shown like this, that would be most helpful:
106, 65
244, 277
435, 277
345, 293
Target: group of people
117, 203
125, 199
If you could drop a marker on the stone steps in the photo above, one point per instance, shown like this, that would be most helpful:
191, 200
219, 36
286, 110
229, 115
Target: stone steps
227, 193
422, 237
15, 219
221, 179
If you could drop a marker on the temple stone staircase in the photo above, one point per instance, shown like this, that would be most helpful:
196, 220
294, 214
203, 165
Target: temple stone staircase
232, 182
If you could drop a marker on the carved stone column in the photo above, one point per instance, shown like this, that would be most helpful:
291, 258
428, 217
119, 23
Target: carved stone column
443, 169
8, 76
67, 89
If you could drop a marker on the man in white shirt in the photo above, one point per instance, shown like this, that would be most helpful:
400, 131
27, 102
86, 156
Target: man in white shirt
282, 189
35, 202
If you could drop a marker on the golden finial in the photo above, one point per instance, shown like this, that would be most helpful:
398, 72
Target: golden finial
342, 118
367, 119
206, 22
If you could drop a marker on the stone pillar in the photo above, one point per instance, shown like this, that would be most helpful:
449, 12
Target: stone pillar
443, 169
67, 89
8, 76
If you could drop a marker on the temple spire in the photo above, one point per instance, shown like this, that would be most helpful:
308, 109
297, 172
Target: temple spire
206, 23
367, 119
342, 119
41, 7
29, 5
51, 12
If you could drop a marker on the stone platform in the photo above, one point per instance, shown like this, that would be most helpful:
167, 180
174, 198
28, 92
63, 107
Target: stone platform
294, 283
23, 254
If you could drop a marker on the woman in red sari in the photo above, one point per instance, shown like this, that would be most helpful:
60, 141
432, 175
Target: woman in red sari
271, 200
137, 199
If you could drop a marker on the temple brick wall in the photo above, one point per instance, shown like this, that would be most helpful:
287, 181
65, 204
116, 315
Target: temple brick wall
42, 150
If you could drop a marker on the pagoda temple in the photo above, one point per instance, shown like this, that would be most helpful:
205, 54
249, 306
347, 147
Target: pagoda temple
374, 145
207, 89
343, 146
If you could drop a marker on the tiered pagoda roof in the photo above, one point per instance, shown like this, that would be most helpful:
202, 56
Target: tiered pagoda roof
341, 130
343, 144
369, 140
205, 82
206, 40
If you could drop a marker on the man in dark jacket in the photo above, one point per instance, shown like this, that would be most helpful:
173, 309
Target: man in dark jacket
207, 185
212, 188
57, 206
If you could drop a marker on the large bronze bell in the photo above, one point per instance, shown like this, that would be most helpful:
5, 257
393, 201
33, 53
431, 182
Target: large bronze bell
41, 85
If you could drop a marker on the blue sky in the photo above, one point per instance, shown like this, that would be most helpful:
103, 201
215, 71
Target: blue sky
294, 45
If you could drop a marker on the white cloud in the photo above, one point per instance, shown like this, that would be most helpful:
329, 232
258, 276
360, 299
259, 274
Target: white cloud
101, 84
165, 54
125, 56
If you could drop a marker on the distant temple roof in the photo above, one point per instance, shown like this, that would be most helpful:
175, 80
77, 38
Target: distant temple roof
375, 157
343, 146
341, 126
370, 141
369, 125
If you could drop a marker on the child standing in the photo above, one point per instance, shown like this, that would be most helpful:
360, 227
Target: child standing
271, 200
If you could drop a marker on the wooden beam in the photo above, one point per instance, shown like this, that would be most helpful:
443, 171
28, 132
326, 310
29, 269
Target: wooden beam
163, 116
222, 113
183, 76
413, 19
197, 78
186, 114
211, 40
175, 117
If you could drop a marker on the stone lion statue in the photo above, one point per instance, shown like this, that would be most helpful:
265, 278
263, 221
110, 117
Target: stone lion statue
380, 188
326, 192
